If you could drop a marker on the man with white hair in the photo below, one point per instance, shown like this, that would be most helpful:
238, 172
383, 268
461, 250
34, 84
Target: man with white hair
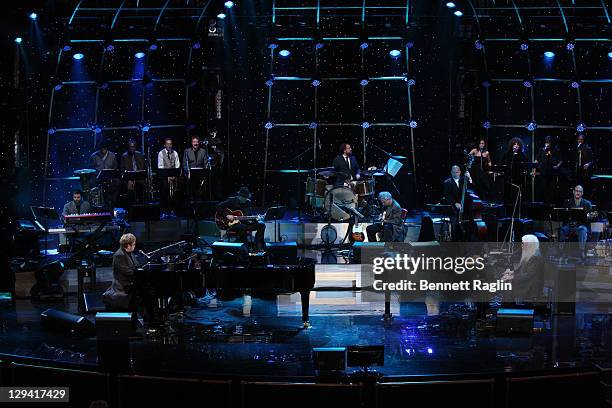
391, 225
528, 278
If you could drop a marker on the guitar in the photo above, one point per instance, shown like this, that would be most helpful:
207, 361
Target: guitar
223, 223
357, 234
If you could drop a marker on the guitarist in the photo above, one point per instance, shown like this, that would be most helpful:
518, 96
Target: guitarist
391, 225
242, 202
453, 188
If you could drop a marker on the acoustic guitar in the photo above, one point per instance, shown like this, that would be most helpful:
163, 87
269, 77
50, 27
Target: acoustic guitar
223, 223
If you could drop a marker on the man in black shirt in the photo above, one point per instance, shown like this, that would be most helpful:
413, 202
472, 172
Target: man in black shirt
582, 230
583, 164
242, 201
194, 157
345, 165
133, 160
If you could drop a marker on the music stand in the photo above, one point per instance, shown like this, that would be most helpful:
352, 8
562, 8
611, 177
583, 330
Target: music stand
135, 175
569, 215
173, 172
44, 214
276, 214
107, 175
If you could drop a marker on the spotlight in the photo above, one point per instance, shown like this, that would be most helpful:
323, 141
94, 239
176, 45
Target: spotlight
33, 16
364, 82
531, 126
610, 55
313, 125
316, 82
570, 45
549, 54
18, 40
318, 45
409, 44
153, 46
229, 4
139, 55
269, 125
66, 48
221, 16
575, 84
78, 56
273, 46
270, 82
364, 44
97, 129
395, 53
478, 45
413, 124
486, 124
196, 45
429, 350
58, 86
524, 45
51, 130
145, 126
411, 82
581, 127
365, 125
108, 46
450, 4
527, 83
284, 53
458, 13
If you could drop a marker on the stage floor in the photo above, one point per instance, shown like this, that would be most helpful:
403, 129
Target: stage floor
264, 338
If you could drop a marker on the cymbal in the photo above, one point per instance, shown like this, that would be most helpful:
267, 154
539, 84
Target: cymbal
398, 157
373, 173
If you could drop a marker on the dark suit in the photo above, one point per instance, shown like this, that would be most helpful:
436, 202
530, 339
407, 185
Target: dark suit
131, 162
581, 230
547, 159
392, 228
344, 172
584, 155
70, 208
243, 227
452, 196
120, 294
528, 281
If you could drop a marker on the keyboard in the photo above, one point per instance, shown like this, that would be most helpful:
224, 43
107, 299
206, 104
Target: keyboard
87, 218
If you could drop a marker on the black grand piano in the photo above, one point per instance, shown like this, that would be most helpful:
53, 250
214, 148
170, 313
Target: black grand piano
298, 277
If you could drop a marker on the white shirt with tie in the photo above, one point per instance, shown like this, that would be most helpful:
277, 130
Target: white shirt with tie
164, 157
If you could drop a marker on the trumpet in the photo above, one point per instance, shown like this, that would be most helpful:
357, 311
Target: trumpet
171, 186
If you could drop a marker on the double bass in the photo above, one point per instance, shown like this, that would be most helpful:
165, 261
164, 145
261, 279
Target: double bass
476, 225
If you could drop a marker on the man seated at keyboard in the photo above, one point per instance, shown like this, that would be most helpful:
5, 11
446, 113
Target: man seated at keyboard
76, 206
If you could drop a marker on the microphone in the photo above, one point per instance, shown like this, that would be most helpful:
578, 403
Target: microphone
144, 254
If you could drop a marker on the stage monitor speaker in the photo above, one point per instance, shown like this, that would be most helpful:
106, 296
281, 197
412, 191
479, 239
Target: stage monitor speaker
329, 358
56, 320
113, 331
111, 326
230, 252
514, 321
144, 212
365, 356
370, 247
282, 253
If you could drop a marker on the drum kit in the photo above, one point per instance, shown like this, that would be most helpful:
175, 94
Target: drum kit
88, 180
328, 200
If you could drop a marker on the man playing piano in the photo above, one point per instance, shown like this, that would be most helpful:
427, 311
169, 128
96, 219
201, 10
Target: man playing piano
579, 229
77, 205
120, 295
242, 202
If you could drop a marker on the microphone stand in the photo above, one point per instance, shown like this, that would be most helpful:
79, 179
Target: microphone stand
510, 232
299, 183
389, 178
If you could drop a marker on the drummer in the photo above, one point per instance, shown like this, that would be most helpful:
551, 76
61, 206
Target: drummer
345, 166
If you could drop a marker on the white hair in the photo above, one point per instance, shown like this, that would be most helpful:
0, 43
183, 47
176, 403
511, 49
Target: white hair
384, 195
531, 247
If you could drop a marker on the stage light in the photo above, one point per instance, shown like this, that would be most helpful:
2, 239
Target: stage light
153, 46
284, 53
610, 55
413, 124
531, 126
486, 124
429, 350
66, 48
313, 125
411, 82
269, 125
527, 83
549, 54
581, 127
33, 16
524, 46
318, 45
365, 125
570, 45
458, 13
270, 82
364, 45
229, 4
450, 4
139, 55
221, 16
364, 82
395, 53
97, 129
196, 45
51, 130
478, 45
78, 56
575, 84
18, 40
108, 46
273, 46
58, 86
145, 126
316, 82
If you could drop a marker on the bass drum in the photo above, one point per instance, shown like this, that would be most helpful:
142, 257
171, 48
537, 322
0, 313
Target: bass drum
342, 196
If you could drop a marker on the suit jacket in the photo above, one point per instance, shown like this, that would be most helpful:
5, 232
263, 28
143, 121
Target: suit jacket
452, 195
546, 162
393, 216
528, 282
124, 267
71, 209
126, 162
584, 155
193, 158
343, 172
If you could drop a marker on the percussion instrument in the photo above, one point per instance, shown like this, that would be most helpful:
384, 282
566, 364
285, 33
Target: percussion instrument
87, 178
315, 187
340, 196
364, 187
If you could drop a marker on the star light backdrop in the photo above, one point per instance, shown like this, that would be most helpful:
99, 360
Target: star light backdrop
456, 78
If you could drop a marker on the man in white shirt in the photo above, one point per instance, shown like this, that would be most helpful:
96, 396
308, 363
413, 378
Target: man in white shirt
167, 158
